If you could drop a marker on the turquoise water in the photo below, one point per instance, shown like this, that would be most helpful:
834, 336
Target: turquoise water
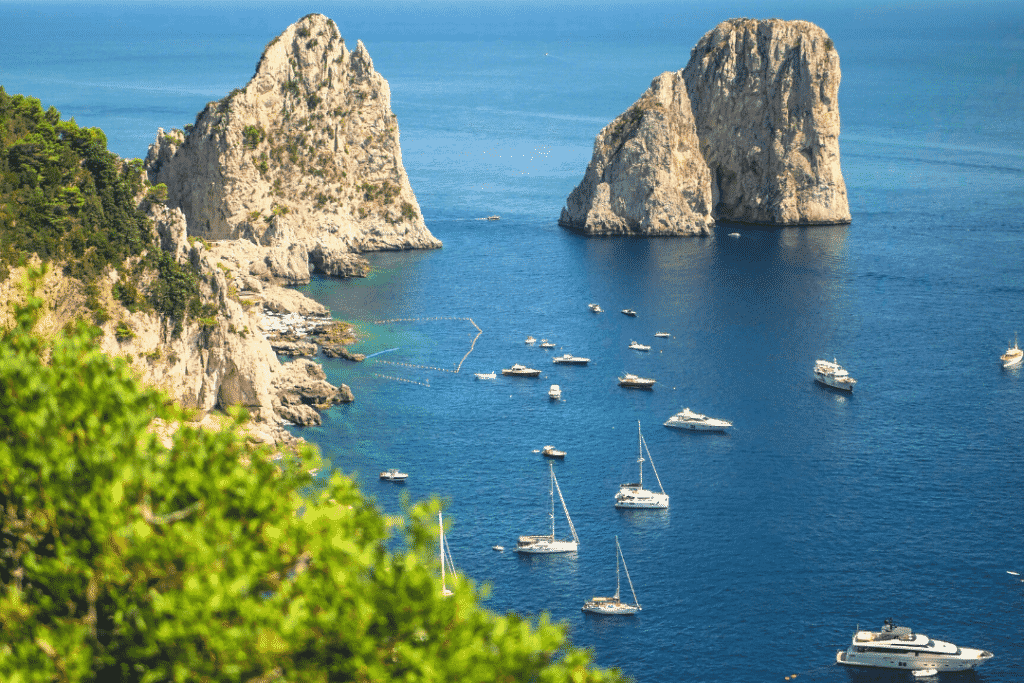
821, 511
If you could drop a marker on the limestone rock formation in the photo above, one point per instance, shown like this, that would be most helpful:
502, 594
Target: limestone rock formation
765, 100
646, 176
754, 138
304, 158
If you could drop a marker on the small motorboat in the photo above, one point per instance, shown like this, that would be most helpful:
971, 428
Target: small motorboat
631, 381
552, 452
555, 392
734, 235
394, 475
545, 344
569, 359
493, 218
530, 339
595, 308
924, 673
499, 548
637, 346
518, 370
485, 375
662, 334
629, 311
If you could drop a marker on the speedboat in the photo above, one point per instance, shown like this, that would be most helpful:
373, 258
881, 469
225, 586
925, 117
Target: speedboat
1013, 356
631, 381
552, 452
518, 370
545, 344
595, 308
832, 374
499, 548
629, 311
393, 475
695, 422
485, 375
569, 359
662, 334
555, 392
897, 647
637, 346
530, 339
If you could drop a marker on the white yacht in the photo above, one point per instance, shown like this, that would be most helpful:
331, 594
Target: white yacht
897, 647
446, 556
832, 374
518, 370
393, 475
542, 545
530, 339
662, 334
552, 452
1013, 356
569, 359
631, 381
555, 392
485, 375
614, 604
595, 308
635, 496
695, 422
637, 346
545, 344
629, 311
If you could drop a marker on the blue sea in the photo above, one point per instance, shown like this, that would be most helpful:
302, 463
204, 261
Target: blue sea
820, 511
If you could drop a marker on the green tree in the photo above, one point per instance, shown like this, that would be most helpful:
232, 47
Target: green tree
125, 559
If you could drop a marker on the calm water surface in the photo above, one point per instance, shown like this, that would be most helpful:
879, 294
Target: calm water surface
821, 511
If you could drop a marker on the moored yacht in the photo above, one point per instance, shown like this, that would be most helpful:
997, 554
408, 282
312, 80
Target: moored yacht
614, 604
530, 339
629, 311
555, 392
637, 346
1013, 356
518, 370
569, 359
546, 544
695, 422
595, 308
394, 475
631, 381
833, 374
897, 647
635, 495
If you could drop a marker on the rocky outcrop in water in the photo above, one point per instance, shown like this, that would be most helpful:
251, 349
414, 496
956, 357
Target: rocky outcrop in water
754, 139
305, 160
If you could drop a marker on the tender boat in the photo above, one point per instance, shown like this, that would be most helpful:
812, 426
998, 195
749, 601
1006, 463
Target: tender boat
695, 422
555, 392
545, 344
662, 334
530, 339
518, 370
552, 452
635, 496
614, 604
629, 311
595, 308
631, 381
393, 475
637, 346
543, 545
832, 374
499, 548
493, 218
1013, 355
485, 375
569, 359
734, 234
446, 557
897, 647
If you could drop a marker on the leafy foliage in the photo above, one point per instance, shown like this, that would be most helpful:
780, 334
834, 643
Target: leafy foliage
125, 559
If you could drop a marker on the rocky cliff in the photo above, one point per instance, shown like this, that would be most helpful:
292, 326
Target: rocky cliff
762, 104
305, 158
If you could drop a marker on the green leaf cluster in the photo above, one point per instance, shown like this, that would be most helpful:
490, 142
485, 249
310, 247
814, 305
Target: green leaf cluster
122, 558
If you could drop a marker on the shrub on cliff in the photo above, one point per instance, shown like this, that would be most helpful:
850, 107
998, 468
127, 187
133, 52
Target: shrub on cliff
125, 559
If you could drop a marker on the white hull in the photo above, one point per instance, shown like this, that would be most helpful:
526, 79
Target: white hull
833, 382
546, 547
697, 427
609, 608
1013, 362
655, 502
910, 661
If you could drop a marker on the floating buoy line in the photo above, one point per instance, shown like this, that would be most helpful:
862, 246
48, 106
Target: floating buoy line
457, 369
400, 379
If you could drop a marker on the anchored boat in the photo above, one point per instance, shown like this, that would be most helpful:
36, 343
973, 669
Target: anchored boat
635, 495
897, 647
543, 545
613, 604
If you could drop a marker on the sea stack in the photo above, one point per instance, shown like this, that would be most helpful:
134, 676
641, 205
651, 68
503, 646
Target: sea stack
305, 157
762, 96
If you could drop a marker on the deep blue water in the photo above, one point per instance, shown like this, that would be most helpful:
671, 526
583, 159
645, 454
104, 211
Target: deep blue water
820, 511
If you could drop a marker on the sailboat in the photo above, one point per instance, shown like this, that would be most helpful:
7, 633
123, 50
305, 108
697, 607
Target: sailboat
635, 495
539, 545
446, 557
614, 605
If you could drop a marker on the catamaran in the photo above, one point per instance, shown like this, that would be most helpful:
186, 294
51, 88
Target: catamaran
446, 556
614, 605
635, 495
539, 545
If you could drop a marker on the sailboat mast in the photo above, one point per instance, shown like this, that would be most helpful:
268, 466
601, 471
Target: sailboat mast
640, 459
617, 579
626, 569
564, 509
440, 543
552, 469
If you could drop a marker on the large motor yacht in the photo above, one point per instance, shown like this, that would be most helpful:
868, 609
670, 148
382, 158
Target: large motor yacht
1013, 356
897, 647
695, 422
631, 381
832, 374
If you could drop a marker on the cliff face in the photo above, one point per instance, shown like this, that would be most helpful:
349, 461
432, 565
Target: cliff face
754, 138
646, 176
765, 100
306, 155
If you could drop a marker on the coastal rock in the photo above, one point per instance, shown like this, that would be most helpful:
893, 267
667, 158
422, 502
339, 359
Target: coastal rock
306, 153
286, 301
294, 348
647, 176
748, 131
765, 98
304, 382
336, 261
339, 351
